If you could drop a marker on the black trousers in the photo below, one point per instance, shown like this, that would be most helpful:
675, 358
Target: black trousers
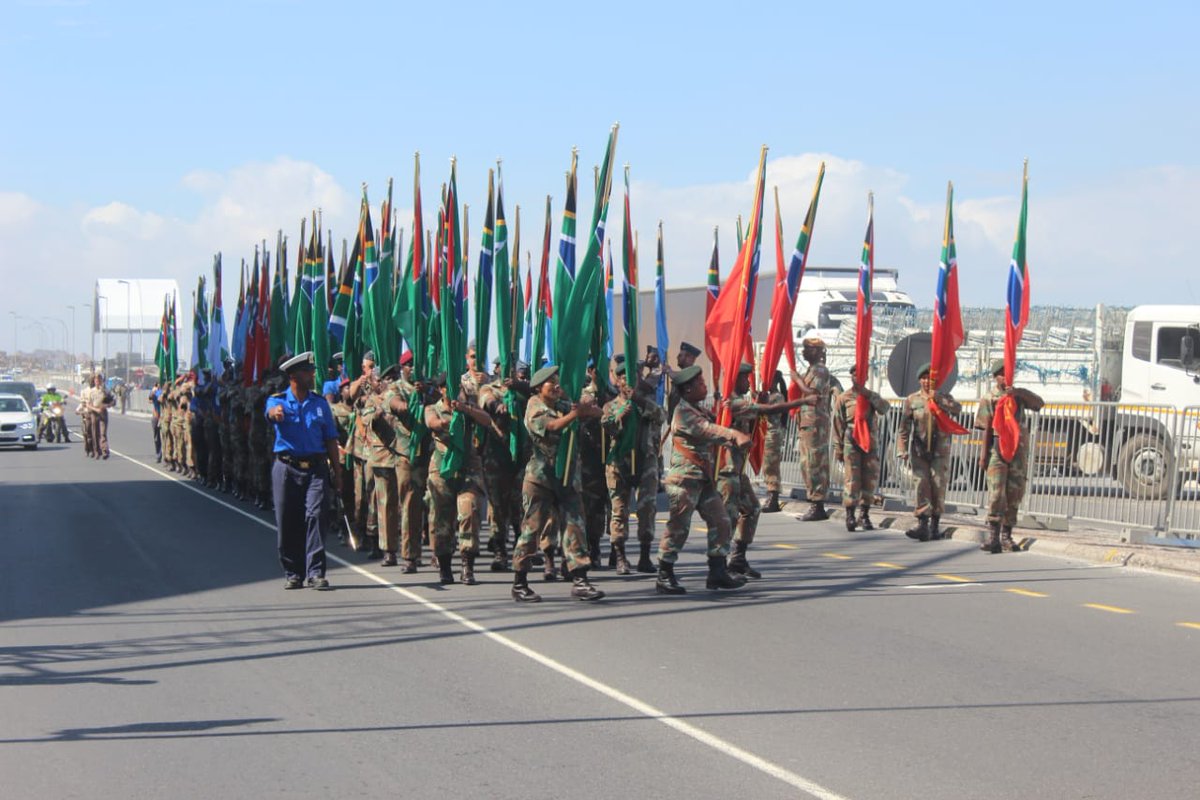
299, 497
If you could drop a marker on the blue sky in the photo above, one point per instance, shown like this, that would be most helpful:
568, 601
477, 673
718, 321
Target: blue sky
142, 137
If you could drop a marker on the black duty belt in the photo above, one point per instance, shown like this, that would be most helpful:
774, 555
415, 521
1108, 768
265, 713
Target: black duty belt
300, 462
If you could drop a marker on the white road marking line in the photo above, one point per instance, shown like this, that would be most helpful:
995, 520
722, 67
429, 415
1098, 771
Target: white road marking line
629, 701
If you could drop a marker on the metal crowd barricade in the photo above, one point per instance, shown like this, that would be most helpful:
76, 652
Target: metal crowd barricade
1183, 503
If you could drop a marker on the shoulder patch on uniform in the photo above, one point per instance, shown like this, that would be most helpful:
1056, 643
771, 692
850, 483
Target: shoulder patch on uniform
280, 395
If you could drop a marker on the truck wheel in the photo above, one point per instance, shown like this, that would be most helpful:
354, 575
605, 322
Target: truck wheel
1145, 466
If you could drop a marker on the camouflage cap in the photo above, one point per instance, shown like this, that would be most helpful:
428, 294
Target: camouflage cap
542, 375
686, 375
923, 370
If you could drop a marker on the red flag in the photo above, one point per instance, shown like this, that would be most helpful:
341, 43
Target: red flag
710, 299
862, 333
947, 319
1008, 430
728, 326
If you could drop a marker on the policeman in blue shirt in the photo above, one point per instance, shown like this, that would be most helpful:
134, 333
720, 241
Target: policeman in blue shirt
306, 449
333, 379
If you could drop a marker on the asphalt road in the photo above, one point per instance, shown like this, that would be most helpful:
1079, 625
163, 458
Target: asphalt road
149, 650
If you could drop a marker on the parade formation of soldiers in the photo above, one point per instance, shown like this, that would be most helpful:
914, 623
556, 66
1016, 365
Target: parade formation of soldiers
393, 433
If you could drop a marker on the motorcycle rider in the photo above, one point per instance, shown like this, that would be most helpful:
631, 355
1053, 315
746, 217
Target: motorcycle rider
54, 423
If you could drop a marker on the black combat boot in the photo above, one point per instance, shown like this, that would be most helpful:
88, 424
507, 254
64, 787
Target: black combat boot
389, 559
921, 531
864, 521
719, 576
500, 560
549, 573
408, 565
816, 512
644, 563
581, 588
850, 518
618, 548
467, 577
772, 505
612, 556
445, 569
738, 564
1007, 545
594, 555
992, 543
935, 531
666, 583
521, 591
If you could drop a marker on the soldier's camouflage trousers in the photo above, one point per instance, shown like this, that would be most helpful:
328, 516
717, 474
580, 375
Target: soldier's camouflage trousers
594, 496
212, 438
544, 509
1006, 484
454, 505
411, 479
684, 497
227, 459
179, 432
168, 440
741, 503
814, 456
621, 485
364, 519
772, 457
860, 475
385, 496
504, 497
930, 475
241, 459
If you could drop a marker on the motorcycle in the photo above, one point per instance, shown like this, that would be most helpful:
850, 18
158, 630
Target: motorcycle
54, 424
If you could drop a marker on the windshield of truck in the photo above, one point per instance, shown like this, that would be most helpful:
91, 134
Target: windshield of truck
833, 312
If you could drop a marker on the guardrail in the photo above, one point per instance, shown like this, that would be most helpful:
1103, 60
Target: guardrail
1135, 466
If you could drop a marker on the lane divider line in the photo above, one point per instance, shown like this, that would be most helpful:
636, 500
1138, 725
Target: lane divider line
887, 565
1026, 593
629, 701
838, 556
1110, 609
1193, 625
785, 546
956, 578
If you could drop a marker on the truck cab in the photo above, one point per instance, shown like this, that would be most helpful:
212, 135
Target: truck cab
1158, 363
829, 295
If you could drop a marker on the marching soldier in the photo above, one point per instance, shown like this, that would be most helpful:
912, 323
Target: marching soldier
456, 499
817, 387
412, 468
305, 461
365, 522
592, 451
382, 460
343, 416
547, 499
860, 467
926, 447
732, 482
691, 486
166, 426
635, 473
501, 467
773, 444
1005, 479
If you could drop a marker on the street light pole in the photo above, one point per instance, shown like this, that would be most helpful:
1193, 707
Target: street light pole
103, 333
13, 314
91, 336
74, 352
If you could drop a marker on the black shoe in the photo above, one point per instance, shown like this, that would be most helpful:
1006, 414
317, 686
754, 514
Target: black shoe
521, 591
445, 571
935, 530
719, 576
293, 583
666, 582
500, 562
375, 554
582, 589
850, 521
467, 576
644, 563
772, 505
320, 584
739, 565
409, 566
864, 521
816, 513
920, 532
389, 560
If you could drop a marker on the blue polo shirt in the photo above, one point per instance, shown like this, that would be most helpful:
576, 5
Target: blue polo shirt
331, 387
305, 427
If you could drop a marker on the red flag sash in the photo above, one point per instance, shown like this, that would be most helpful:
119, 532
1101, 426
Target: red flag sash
945, 423
1008, 430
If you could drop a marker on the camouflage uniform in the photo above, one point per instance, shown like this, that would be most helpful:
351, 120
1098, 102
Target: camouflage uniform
1005, 479
500, 468
180, 426
928, 449
637, 471
366, 523
860, 467
690, 483
258, 461
741, 503
240, 435
382, 459
548, 503
594, 486
814, 433
212, 437
225, 421
773, 444
166, 426
456, 502
343, 417
412, 473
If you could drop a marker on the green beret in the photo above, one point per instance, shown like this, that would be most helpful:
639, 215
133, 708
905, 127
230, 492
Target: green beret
686, 375
997, 366
745, 369
924, 370
542, 375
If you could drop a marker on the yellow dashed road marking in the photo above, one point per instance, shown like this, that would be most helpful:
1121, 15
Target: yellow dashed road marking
784, 546
1110, 609
955, 578
888, 565
1026, 593
1192, 625
838, 556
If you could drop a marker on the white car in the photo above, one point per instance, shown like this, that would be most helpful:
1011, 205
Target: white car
18, 426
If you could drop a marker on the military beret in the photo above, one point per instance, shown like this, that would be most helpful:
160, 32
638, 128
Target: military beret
542, 375
689, 348
522, 365
391, 373
297, 363
406, 358
924, 370
686, 375
997, 366
745, 369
